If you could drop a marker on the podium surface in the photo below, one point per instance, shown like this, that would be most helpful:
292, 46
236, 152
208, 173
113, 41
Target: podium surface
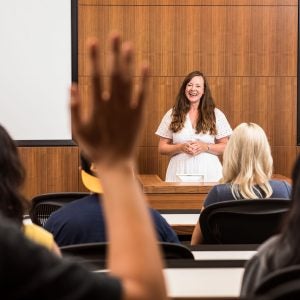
179, 195
174, 195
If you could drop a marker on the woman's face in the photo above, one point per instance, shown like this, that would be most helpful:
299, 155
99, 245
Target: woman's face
195, 89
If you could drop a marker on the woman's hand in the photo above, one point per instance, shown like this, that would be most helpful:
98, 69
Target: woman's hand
108, 133
198, 147
188, 148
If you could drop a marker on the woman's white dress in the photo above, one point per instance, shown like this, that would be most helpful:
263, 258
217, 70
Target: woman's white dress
205, 164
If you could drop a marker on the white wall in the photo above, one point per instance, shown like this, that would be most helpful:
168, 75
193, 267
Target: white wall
35, 68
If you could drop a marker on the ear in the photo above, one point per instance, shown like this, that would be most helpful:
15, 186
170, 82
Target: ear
93, 168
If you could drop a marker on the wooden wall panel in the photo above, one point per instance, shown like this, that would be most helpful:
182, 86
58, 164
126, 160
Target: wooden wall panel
246, 48
219, 40
50, 169
189, 2
284, 158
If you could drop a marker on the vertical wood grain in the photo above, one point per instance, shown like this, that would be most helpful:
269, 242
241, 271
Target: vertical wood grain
50, 169
246, 48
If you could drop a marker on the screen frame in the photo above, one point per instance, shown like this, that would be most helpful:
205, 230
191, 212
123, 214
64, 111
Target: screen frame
298, 80
74, 72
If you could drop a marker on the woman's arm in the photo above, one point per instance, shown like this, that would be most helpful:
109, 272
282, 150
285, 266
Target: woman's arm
166, 146
211, 198
55, 249
198, 147
219, 147
197, 237
133, 254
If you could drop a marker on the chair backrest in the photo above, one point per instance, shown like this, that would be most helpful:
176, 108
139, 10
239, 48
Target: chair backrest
88, 251
242, 221
42, 206
97, 251
175, 251
281, 284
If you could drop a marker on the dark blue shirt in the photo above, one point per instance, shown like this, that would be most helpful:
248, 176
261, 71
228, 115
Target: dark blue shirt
222, 192
82, 221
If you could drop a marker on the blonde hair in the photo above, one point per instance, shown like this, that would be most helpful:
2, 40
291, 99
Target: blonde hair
247, 161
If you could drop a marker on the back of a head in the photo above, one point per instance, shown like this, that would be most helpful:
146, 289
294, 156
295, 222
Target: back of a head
85, 164
247, 158
290, 228
12, 176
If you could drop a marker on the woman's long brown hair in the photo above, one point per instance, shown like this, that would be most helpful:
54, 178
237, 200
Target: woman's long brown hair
206, 121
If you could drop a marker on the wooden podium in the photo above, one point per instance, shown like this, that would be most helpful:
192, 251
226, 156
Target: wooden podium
174, 195
177, 195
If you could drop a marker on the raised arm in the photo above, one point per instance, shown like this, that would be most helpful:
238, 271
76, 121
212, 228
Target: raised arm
108, 134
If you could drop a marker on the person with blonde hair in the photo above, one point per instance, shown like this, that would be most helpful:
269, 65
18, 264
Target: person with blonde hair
247, 171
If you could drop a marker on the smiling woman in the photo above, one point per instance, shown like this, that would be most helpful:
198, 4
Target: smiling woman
194, 132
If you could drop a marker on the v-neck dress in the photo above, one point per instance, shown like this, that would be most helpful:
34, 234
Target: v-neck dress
205, 164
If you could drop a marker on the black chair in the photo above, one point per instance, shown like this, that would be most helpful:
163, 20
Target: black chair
281, 284
92, 252
242, 221
42, 206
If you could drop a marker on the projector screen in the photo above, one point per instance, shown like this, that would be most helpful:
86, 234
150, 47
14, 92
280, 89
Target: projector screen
36, 69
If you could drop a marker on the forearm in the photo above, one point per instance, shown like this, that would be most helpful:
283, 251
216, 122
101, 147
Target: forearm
197, 237
216, 149
170, 149
133, 253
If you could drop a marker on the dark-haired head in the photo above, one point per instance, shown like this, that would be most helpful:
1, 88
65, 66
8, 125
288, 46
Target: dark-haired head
85, 164
296, 180
206, 121
12, 176
88, 177
291, 224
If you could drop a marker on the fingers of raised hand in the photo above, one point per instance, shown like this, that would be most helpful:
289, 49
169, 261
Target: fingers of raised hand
111, 120
93, 49
121, 71
139, 99
75, 108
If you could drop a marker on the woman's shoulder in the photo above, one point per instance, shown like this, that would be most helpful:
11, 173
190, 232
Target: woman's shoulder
223, 127
281, 188
163, 129
269, 243
222, 187
275, 182
219, 193
259, 266
168, 115
38, 235
218, 112
169, 112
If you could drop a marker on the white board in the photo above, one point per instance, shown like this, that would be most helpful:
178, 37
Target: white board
35, 68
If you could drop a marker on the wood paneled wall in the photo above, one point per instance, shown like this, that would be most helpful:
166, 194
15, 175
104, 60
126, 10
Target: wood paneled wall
246, 48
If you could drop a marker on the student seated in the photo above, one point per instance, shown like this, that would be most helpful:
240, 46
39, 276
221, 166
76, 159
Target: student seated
247, 171
279, 251
30, 272
12, 202
82, 221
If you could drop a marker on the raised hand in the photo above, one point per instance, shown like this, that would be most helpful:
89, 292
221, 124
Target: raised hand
109, 132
